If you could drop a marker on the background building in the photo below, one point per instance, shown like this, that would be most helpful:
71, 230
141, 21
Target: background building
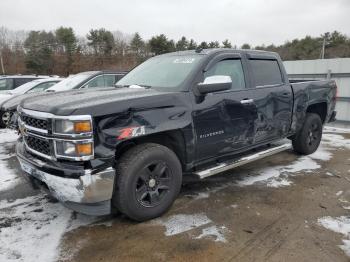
337, 69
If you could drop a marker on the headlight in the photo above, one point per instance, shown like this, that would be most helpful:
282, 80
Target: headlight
77, 149
72, 127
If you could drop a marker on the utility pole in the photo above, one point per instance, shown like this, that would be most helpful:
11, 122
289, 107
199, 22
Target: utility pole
323, 48
2, 63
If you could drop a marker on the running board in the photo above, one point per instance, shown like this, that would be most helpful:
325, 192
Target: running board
242, 161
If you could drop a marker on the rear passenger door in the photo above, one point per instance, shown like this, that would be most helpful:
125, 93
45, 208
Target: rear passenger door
272, 96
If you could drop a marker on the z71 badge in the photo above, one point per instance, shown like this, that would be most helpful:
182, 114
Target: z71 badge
129, 132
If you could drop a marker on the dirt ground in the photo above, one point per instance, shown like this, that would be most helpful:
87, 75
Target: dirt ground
265, 211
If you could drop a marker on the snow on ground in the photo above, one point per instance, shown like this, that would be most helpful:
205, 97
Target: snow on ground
7, 136
339, 225
32, 225
214, 232
181, 223
277, 176
8, 177
31, 228
336, 129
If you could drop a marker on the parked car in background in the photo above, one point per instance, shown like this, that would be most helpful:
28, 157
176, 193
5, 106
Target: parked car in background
11, 82
90, 79
31, 87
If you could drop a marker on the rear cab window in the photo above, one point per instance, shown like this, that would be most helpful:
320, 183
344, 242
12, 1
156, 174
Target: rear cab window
266, 72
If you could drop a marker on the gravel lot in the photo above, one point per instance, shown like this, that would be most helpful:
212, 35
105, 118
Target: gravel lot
282, 208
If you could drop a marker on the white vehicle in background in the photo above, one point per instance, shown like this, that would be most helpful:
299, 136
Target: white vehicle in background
84, 80
34, 86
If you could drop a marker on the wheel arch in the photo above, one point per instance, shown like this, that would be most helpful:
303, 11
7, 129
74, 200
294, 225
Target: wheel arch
319, 109
174, 140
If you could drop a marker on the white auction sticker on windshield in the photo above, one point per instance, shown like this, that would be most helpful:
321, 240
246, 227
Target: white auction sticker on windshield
184, 60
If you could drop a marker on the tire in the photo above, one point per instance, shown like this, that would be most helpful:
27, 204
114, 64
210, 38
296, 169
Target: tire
308, 138
149, 178
3, 115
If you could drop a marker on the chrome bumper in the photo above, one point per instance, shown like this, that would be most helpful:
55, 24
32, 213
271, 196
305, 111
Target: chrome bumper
88, 189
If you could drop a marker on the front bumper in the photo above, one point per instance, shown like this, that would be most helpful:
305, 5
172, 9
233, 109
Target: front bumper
89, 193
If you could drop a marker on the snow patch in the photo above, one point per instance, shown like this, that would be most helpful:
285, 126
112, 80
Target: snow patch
335, 140
277, 176
35, 224
8, 136
336, 129
214, 231
181, 223
8, 178
339, 225
202, 195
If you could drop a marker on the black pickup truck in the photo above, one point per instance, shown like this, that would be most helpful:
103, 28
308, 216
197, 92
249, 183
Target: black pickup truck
194, 112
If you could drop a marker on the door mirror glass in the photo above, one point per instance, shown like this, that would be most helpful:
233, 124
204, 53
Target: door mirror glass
214, 84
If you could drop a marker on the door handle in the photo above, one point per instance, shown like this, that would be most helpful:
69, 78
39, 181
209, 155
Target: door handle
247, 101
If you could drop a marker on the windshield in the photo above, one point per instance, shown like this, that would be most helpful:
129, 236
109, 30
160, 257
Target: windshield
6, 84
164, 72
69, 83
25, 87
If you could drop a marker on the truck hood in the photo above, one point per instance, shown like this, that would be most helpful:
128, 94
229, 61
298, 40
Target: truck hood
95, 102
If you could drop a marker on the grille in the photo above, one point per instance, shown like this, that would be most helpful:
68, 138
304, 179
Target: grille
38, 144
35, 122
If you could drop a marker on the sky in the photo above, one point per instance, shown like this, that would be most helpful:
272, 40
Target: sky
241, 21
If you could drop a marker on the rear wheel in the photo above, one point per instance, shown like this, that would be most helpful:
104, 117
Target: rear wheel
149, 178
308, 138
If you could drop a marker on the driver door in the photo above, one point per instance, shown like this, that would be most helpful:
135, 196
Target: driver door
225, 121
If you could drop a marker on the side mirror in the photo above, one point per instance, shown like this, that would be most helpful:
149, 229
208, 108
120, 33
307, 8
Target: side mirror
214, 84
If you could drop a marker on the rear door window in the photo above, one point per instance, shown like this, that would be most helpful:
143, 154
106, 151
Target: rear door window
266, 72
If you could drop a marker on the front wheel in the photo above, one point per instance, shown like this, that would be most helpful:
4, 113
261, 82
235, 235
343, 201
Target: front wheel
5, 117
149, 178
308, 138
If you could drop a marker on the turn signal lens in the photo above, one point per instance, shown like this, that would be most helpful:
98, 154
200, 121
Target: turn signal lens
84, 149
82, 127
